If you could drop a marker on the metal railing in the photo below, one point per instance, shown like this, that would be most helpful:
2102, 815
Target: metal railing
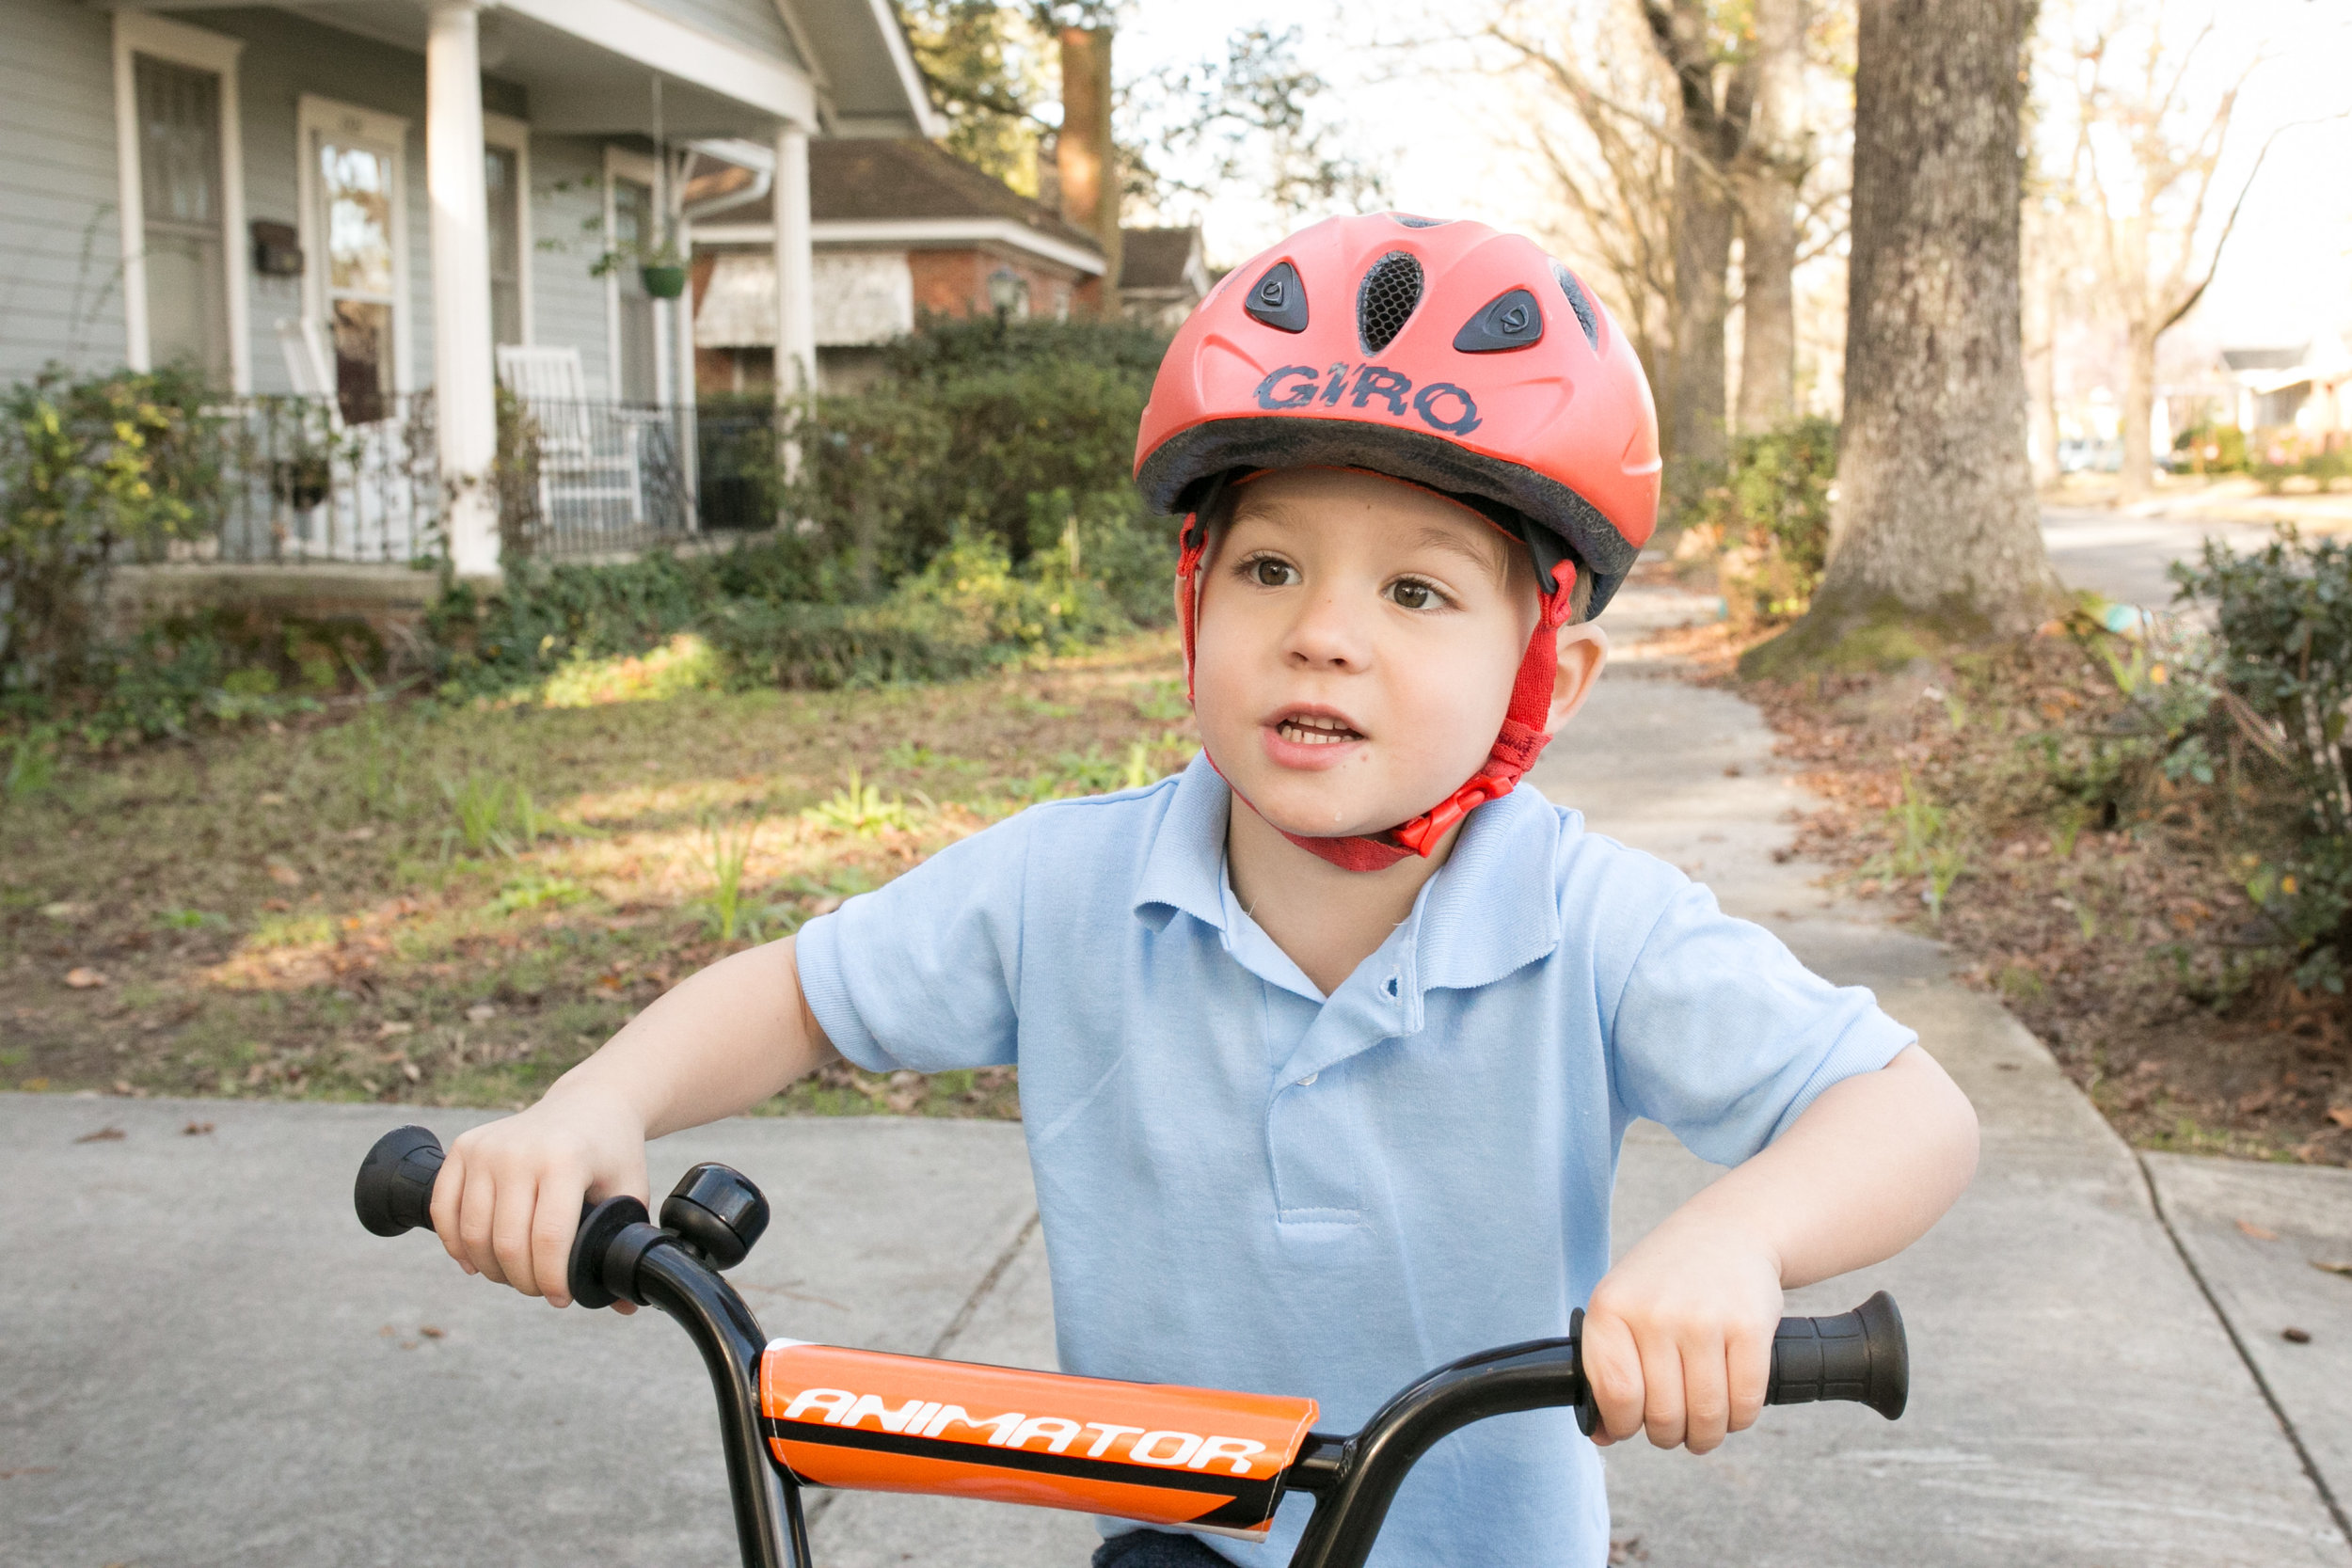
299, 483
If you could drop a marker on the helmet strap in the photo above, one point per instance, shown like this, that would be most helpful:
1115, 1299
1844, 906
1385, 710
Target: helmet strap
1522, 740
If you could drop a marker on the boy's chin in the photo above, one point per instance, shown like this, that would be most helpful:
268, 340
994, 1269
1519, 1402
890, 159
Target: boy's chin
1326, 819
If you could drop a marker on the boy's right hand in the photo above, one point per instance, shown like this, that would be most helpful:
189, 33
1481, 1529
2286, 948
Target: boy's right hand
507, 1201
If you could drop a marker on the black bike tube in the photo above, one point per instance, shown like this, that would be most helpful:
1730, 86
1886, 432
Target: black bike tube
729, 1338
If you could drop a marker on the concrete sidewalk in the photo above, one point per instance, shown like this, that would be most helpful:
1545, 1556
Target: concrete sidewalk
203, 1360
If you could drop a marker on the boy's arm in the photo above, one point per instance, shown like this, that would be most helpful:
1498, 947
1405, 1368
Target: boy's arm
509, 1194
1677, 1338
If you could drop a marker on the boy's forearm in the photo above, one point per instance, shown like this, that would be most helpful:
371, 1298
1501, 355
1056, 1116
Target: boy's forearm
1861, 1175
719, 1044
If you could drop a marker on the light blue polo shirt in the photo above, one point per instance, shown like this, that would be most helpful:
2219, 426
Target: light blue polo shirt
1246, 1184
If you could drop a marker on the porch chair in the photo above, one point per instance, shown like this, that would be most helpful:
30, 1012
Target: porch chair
574, 464
370, 498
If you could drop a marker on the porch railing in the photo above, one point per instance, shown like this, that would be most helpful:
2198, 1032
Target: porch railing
299, 483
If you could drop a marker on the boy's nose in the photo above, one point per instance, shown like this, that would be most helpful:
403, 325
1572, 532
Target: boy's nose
1326, 636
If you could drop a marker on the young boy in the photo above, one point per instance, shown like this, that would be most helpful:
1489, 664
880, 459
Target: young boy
1325, 1053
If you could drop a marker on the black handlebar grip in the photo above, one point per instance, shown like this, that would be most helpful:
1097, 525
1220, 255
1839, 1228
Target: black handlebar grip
394, 1193
1859, 1356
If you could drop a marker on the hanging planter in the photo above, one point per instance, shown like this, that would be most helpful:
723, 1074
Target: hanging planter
663, 283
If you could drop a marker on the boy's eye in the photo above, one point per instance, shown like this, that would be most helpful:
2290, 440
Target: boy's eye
1267, 572
1412, 596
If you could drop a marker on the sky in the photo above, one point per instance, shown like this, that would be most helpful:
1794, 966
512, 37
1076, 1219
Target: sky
1437, 134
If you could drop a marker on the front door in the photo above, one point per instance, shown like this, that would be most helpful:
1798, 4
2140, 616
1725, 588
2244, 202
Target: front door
355, 194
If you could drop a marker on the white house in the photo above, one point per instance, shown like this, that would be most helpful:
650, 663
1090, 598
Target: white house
363, 200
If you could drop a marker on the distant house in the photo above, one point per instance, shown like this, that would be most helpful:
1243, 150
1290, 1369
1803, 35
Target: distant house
2307, 387
899, 229
1162, 274
333, 210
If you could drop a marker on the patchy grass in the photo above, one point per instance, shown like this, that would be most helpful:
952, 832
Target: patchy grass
452, 906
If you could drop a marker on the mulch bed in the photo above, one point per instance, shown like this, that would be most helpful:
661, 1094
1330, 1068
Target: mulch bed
2120, 942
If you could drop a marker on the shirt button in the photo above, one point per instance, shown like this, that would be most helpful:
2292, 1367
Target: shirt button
1308, 1079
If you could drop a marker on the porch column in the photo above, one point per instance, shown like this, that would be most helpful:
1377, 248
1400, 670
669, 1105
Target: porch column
796, 283
465, 397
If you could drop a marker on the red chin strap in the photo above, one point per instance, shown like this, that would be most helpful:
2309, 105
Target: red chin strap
1521, 741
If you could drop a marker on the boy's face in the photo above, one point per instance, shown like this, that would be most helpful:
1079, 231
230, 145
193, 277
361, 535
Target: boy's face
1357, 640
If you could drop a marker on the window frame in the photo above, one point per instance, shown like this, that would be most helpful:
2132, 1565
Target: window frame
514, 135
138, 33
313, 113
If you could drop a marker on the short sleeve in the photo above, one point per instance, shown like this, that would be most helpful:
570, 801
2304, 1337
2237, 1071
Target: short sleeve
1724, 1037
922, 971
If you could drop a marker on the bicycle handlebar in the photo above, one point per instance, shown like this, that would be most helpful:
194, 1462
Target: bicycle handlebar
714, 1216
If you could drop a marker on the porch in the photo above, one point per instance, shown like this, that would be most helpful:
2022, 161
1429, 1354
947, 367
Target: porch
271, 210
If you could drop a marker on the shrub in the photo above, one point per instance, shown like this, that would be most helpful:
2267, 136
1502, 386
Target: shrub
2283, 619
2212, 448
92, 469
1771, 518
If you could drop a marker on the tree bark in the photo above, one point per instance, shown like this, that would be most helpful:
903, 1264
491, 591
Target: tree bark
1936, 513
1706, 213
1704, 218
1771, 166
2139, 398
2042, 372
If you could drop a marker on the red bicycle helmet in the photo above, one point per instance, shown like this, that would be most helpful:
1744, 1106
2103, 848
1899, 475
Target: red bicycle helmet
1446, 353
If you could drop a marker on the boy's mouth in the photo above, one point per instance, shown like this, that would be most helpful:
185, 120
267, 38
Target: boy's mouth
1315, 729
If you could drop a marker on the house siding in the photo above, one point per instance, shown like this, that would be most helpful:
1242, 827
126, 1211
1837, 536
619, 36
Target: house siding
60, 237
753, 23
60, 233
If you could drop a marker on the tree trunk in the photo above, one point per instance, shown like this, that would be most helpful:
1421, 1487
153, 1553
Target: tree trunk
1771, 166
1936, 516
2139, 396
2041, 371
1703, 217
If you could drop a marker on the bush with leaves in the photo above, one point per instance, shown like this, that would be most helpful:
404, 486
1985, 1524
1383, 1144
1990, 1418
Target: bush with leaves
2212, 448
2283, 625
1771, 516
93, 471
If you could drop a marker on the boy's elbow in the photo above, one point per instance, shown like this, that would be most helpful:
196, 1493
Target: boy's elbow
1941, 1117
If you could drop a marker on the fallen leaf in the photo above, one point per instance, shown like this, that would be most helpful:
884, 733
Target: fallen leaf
414, 1073
2341, 1115
195, 1129
2327, 1265
430, 1332
84, 979
361, 835
269, 797
389, 1028
103, 1135
481, 1012
67, 910
2296, 1335
2260, 1233
285, 874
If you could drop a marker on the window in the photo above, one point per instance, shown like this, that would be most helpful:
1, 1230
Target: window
355, 233
506, 184
182, 198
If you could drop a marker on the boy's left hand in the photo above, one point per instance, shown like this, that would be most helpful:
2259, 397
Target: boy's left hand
1679, 1338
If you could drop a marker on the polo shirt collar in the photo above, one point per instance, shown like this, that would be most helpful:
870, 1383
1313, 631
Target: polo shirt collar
1492, 909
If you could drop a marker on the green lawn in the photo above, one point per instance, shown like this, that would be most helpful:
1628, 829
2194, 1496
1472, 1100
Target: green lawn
451, 906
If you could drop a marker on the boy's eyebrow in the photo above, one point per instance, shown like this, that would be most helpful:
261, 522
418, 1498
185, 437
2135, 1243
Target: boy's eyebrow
1497, 565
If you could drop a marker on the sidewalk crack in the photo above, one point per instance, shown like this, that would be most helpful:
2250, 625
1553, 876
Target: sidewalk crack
986, 1288
2261, 1384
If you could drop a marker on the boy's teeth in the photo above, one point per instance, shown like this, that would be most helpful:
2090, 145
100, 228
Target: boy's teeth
1315, 730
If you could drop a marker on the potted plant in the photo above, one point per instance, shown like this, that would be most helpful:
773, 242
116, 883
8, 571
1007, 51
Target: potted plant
660, 265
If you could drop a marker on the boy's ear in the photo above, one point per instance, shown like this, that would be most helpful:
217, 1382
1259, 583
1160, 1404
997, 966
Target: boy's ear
1583, 649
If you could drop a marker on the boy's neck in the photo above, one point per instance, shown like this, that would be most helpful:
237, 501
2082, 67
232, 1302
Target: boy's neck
1326, 919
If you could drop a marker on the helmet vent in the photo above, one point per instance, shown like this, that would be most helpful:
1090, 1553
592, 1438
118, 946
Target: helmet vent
1586, 317
1386, 301
1409, 221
